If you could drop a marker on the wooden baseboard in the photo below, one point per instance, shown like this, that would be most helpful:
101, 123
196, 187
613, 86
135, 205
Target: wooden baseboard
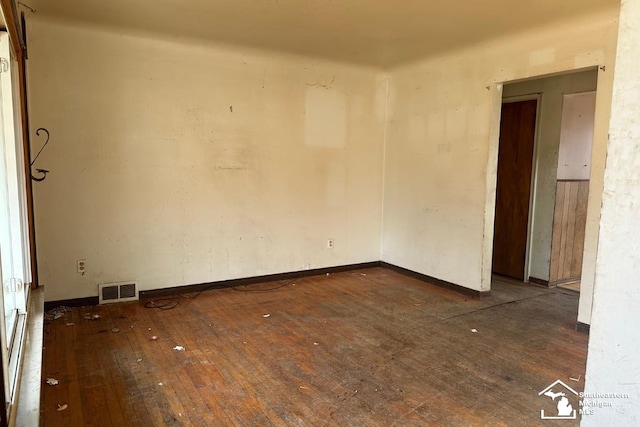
583, 327
438, 282
155, 293
541, 282
74, 302
256, 279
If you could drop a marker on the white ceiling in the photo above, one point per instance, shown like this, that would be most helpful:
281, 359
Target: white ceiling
373, 32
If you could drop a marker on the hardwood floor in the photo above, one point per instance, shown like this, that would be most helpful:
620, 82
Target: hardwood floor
363, 348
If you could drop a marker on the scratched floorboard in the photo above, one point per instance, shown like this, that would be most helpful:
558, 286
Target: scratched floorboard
364, 348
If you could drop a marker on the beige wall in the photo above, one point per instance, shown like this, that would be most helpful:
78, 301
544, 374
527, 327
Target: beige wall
547, 149
442, 137
175, 163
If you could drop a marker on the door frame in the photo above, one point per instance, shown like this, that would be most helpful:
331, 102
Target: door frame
491, 181
604, 91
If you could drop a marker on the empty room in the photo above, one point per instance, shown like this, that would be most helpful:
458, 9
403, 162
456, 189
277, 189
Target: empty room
320, 213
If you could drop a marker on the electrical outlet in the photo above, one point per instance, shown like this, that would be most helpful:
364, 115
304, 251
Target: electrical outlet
330, 244
81, 266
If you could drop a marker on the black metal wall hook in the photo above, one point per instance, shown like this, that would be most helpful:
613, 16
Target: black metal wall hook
43, 172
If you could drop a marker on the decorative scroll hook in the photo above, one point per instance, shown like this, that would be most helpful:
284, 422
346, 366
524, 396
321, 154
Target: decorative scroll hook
43, 172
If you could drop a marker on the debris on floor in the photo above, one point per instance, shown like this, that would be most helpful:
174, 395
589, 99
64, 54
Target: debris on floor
474, 331
316, 343
160, 384
115, 330
62, 407
139, 360
57, 313
90, 316
70, 323
266, 315
178, 348
52, 381
154, 338
576, 379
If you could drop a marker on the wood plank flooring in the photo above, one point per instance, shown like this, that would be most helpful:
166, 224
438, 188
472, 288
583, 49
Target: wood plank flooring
363, 348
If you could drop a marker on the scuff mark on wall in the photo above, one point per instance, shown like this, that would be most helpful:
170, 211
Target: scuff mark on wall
323, 85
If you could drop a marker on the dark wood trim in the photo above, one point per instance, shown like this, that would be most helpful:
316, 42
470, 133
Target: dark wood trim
26, 139
26, 135
583, 328
256, 279
75, 302
537, 281
434, 281
155, 293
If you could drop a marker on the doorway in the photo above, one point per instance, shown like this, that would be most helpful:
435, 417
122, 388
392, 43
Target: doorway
543, 171
513, 189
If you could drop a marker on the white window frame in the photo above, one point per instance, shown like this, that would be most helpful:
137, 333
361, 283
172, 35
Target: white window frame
15, 274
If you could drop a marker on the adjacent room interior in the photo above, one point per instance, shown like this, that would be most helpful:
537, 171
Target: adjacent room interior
544, 159
312, 213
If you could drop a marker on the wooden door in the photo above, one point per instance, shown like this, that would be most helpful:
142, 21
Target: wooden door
515, 164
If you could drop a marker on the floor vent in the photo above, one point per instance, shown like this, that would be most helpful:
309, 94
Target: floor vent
117, 292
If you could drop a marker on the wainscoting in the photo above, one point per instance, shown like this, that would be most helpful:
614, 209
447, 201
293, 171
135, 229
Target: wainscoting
569, 222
